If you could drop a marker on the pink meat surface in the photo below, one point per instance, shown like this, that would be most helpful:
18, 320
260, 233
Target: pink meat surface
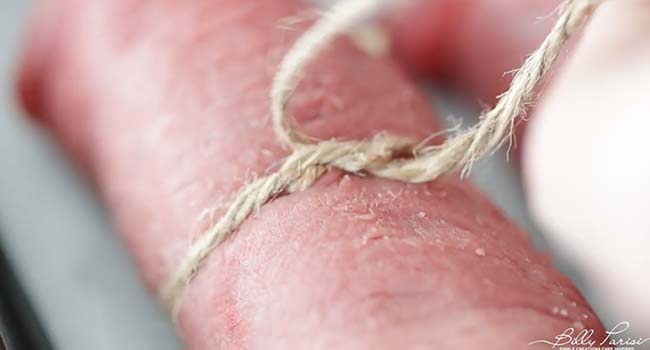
471, 43
165, 104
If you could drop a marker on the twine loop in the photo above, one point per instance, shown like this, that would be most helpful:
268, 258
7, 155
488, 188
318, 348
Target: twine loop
384, 156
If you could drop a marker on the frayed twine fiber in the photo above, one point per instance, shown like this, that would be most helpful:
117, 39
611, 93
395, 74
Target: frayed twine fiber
311, 159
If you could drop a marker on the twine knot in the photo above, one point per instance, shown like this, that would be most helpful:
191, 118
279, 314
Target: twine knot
384, 155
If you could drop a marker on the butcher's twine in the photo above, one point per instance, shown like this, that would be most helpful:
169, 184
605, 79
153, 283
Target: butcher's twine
311, 159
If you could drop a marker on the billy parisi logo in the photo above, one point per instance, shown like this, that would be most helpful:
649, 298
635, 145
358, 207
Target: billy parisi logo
582, 339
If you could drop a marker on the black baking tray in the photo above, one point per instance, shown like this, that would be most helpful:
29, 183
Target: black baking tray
20, 328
